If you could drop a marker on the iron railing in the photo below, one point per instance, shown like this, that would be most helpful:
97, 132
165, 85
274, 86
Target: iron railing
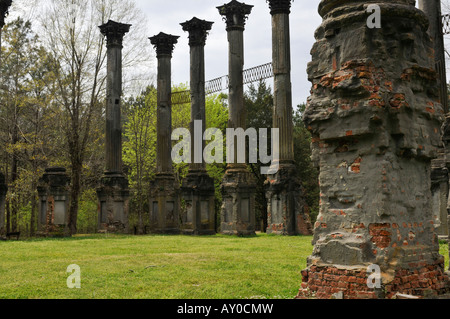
254, 74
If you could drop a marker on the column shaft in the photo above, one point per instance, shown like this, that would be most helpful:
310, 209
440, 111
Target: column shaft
164, 116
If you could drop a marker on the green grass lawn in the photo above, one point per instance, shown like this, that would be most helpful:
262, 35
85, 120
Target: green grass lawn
114, 266
119, 266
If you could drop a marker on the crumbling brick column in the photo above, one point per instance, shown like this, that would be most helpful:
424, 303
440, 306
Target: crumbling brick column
198, 216
113, 194
375, 122
238, 186
165, 190
287, 212
53, 191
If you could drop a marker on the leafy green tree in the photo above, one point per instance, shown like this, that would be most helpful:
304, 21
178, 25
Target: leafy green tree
309, 175
139, 149
259, 104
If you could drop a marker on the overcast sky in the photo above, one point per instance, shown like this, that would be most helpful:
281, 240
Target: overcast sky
166, 16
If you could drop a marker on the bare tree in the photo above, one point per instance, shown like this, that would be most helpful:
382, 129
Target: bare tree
69, 29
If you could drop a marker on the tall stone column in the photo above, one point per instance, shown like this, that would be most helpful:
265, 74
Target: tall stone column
198, 188
287, 210
238, 186
4, 7
439, 166
113, 194
164, 195
375, 124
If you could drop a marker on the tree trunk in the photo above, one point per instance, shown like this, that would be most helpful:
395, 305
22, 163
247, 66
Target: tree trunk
74, 196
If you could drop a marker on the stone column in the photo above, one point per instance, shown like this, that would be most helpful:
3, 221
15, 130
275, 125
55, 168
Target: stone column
375, 124
439, 169
238, 186
53, 213
287, 211
164, 195
113, 194
4, 6
198, 188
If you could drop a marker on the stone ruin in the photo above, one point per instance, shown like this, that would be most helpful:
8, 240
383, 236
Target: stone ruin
113, 193
286, 209
375, 121
164, 199
197, 190
53, 212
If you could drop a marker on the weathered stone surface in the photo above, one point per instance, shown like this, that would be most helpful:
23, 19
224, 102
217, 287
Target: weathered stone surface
375, 124
53, 191
113, 194
287, 212
238, 186
164, 202
164, 205
198, 216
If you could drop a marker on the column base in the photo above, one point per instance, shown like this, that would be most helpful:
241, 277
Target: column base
416, 274
238, 207
198, 214
164, 205
113, 196
287, 212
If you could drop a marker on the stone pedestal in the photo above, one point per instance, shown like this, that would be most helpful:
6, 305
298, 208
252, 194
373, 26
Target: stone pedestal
287, 212
113, 194
197, 191
3, 191
238, 185
164, 201
53, 191
164, 210
238, 203
375, 127
113, 197
198, 216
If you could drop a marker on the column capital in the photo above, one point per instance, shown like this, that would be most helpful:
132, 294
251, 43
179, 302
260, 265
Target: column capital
279, 6
4, 6
198, 30
234, 14
114, 32
164, 43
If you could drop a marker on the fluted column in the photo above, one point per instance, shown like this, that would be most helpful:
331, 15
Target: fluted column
198, 192
114, 193
164, 195
287, 213
238, 186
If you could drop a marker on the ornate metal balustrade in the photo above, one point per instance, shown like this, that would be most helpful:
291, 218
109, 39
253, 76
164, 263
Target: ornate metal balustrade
254, 74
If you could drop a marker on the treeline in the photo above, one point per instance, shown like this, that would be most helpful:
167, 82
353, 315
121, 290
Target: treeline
52, 114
